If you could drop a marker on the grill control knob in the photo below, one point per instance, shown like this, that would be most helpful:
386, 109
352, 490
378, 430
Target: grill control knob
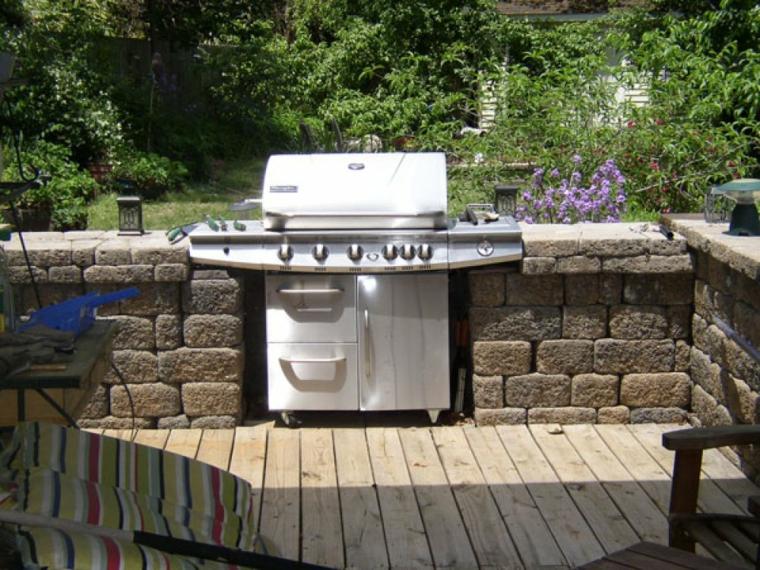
285, 252
407, 251
425, 252
320, 252
354, 252
390, 252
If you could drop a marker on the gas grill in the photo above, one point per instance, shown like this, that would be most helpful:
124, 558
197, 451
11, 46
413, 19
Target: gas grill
357, 250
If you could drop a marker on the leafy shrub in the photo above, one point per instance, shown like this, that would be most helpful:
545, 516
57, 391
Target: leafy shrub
66, 194
553, 199
149, 174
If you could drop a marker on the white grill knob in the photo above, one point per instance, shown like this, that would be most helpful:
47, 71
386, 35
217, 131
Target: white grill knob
285, 252
390, 252
425, 252
407, 251
320, 252
355, 252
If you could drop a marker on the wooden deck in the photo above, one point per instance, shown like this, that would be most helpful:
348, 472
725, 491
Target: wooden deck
508, 497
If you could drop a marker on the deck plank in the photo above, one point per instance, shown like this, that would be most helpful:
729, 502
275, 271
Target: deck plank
215, 447
444, 526
711, 498
362, 525
609, 525
635, 505
640, 464
573, 534
404, 532
279, 525
528, 529
320, 506
123, 434
184, 442
152, 437
247, 461
488, 534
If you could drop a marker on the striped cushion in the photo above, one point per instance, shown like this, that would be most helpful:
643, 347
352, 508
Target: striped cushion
143, 470
53, 494
54, 549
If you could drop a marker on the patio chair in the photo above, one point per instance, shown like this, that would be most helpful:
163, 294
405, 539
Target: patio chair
76, 500
729, 538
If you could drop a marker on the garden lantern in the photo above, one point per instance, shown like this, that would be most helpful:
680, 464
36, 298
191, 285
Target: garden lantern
505, 199
130, 215
744, 218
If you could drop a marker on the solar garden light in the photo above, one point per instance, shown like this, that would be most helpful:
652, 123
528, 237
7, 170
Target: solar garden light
130, 215
505, 199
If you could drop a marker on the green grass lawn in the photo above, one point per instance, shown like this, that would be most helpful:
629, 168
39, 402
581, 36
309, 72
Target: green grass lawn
231, 181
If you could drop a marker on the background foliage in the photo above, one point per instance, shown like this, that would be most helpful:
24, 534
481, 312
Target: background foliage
411, 73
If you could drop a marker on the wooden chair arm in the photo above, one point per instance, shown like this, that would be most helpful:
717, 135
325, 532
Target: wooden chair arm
707, 438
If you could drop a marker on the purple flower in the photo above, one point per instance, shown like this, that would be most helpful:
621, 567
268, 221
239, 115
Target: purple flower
577, 159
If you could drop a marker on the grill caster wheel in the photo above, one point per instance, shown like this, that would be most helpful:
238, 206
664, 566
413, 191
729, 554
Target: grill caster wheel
290, 419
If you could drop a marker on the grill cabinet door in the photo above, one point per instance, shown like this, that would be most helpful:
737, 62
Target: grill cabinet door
311, 308
403, 341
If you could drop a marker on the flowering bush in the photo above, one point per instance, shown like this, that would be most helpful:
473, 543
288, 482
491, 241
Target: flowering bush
553, 199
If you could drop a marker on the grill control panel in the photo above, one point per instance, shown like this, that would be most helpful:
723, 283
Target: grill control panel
461, 245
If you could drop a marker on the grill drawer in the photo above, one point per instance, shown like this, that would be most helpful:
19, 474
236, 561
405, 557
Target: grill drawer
312, 376
311, 308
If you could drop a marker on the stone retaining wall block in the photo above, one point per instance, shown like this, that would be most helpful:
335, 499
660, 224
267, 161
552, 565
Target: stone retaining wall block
594, 391
668, 390
503, 416
65, 274
213, 331
112, 422
708, 410
174, 422
213, 296
534, 390
487, 288
638, 322
168, 332
123, 274
612, 356
154, 299
488, 391
579, 264
538, 265
584, 322
562, 416
534, 289
658, 416
171, 272
200, 365
515, 323
676, 289
211, 398
214, 422
505, 358
135, 333
149, 400
565, 356
614, 415
135, 367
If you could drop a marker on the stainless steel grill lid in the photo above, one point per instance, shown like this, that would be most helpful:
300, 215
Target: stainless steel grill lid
355, 191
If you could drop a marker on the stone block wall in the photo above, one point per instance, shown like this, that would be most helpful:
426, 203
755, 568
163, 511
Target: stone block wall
592, 326
178, 346
725, 328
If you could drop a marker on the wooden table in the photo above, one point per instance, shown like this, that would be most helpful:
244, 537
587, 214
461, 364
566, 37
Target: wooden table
650, 556
87, 366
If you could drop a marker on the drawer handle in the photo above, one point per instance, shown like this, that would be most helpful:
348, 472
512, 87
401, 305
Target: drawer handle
335, 291
332, 360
